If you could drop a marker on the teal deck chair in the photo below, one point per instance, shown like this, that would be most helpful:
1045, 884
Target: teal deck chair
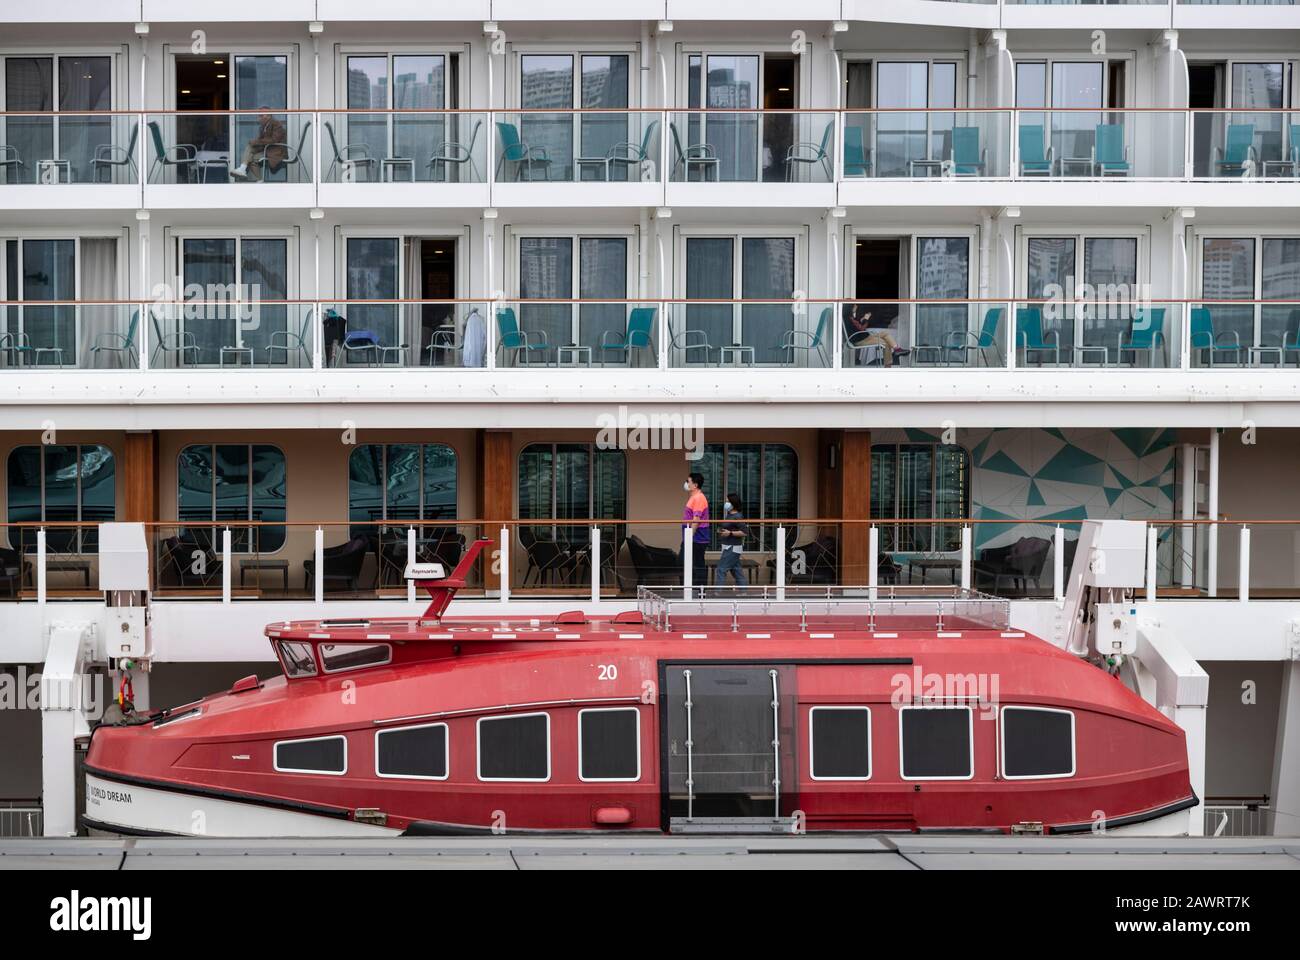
638, 335
1109, 152
967, 156
1237, 155
1204, 338
964, 341
512, 338
813, 341
857, 159
1036, 159
1147, 335
1030, 337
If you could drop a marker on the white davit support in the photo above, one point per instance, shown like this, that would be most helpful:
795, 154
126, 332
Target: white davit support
124, 580
1109, 561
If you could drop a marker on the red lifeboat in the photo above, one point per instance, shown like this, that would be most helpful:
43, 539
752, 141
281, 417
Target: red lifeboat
818, 710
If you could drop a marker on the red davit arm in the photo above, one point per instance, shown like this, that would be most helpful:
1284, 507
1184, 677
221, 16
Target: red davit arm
442, 591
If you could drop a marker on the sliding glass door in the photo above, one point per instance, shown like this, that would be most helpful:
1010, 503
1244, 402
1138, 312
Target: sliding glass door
942, 273
77, 86
43, 270
548, 271
1252, 268
399, 82
373, 272
1090, 284
726, 82
902, 137
548, 82
234, 288
744, 268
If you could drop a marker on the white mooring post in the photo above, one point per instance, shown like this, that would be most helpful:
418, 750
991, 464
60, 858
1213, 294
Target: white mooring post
40, 566
1153, 545
965, 557
504, 592
225, 565
1058, 564
780, 563
1243, 574
410, 558
873, 562
595, 564
319, 589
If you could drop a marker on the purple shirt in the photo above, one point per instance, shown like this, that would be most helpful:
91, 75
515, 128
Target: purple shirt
697, 511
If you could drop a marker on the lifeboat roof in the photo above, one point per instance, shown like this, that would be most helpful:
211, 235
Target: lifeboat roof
883, 611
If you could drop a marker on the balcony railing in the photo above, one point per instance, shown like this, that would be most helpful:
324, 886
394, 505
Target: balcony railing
636, 146
243, 146
611, 558
41, 336
752, 146
54, 148
412, 146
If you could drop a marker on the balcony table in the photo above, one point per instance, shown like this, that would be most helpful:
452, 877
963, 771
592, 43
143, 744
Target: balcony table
736, 356
926, 564
1085, 162
1285, 169
572, 356
70, 566
60, 168
1083, 352
1257, 355
391, 164
237, 353
279, 566
929, 166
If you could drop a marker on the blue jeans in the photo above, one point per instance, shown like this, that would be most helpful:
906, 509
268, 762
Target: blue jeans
729, 562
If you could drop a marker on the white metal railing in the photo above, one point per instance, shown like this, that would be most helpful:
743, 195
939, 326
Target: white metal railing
21, 819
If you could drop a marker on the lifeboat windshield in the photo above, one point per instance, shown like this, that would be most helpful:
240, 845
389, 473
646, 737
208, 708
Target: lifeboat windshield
297, 659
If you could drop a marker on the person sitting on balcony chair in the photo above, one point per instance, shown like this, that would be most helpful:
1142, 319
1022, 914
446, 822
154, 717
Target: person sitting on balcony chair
271, 138
859, 332
731, 534
696, 518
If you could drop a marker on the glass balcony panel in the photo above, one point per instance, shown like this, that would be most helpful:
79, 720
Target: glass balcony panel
61, 148
926, 143
247, 146
752, 146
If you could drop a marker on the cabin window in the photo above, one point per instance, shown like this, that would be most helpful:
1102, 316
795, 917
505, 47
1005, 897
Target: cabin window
915, 481
403, 482
352, 656
839, 743
60, 483
297, 659
515, 748
571, 481
417, 753
764, 475
609, 744
936, 743
225, 483
1037, 743
317, 755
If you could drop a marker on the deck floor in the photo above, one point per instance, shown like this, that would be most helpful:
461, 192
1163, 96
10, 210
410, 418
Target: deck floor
658, 853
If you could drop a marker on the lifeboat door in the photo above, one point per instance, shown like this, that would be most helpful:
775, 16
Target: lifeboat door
728, 750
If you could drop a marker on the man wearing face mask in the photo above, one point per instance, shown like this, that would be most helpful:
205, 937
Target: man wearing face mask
696, 517
731, 533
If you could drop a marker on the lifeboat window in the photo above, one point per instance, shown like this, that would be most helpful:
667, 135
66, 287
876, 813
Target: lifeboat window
416, 753
515, 748
1037, 742
839, 743
352, 656
297, 659
936, 743
316, 755
609, 744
